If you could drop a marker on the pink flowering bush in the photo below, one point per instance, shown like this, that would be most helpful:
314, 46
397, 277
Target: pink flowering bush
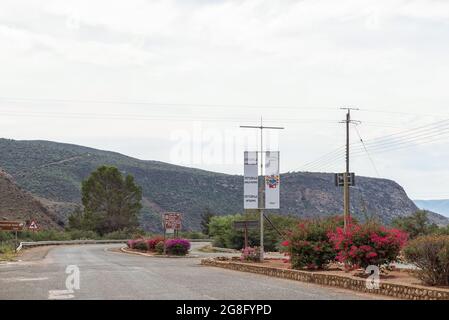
250, 254
308, 245
177, 247
152, 243
367, 244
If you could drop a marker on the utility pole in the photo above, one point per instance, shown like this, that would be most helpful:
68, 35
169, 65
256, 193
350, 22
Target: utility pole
261, 189
347, 174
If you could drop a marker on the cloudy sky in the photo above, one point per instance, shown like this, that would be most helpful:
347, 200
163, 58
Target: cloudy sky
173, 80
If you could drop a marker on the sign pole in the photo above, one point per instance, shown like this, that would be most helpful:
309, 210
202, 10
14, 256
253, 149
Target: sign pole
261, 192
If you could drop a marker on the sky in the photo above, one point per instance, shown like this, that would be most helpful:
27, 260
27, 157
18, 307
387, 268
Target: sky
173, 80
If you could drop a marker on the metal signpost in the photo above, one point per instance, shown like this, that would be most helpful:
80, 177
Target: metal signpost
171, 222
268, 195
245, 225
13, 226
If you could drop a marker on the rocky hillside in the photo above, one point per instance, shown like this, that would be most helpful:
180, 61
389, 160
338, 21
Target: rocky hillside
54, 171
17, 204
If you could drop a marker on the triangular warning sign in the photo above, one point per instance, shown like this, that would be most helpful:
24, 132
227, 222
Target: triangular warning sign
33, 225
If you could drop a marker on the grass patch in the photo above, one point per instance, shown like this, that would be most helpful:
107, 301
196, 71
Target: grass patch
7, 252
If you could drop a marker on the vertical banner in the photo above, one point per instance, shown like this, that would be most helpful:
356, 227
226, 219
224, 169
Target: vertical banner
251, 184
272, 180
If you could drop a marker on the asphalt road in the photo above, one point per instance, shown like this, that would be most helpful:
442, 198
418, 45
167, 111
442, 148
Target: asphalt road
105, 274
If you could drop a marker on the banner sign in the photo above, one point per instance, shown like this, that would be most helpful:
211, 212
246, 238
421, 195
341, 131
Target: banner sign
251, 184
272, 180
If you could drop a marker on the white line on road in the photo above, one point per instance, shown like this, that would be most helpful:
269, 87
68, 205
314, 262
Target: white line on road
60, 294
23, 279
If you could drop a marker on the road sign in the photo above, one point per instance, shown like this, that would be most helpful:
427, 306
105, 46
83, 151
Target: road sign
172, 221
11, 225
340, 180
33, 226
247, 224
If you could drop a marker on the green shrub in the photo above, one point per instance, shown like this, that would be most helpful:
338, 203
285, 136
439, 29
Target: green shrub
141, 245
431, 255
5, 236
7, 251
221, 229
160, 248
44, 235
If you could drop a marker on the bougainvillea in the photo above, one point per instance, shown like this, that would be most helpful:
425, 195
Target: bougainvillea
367, 244
151, 243
308, 245
250, 254
178, 247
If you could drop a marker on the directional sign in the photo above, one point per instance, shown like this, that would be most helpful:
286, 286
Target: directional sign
172, 221
340, 180
11, 225
247, 224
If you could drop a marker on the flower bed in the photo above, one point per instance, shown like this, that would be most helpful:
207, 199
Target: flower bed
315, 244
155, 245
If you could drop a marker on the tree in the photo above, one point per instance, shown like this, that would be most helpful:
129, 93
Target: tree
206, 216
111, 201
418, 224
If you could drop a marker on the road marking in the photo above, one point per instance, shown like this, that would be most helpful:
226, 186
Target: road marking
23, 279
60, 294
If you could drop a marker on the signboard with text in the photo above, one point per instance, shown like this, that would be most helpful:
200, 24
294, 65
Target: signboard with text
251, 184
11, 225
172, 221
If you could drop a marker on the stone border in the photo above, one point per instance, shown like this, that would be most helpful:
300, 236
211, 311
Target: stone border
125, 250
398, 291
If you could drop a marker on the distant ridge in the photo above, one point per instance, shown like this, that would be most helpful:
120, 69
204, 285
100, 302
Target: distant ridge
438, 206
54, 171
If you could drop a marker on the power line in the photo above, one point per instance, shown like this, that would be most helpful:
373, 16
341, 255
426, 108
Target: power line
366, 150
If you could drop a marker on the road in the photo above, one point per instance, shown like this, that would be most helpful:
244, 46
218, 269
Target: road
106, 274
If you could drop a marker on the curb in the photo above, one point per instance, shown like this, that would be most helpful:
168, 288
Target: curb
124, 250
398, 291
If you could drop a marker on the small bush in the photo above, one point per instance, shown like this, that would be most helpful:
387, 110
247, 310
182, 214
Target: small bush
308, 245
160, 248
431, 255
5, 236
152, 243
140, 245
368, 244
250, 254
177, 247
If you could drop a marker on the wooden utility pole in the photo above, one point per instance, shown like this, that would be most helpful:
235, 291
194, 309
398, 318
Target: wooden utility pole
347, 174
261, 189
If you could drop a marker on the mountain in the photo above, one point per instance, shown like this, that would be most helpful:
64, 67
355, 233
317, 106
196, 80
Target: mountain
17, 204
439, 206
54, 171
